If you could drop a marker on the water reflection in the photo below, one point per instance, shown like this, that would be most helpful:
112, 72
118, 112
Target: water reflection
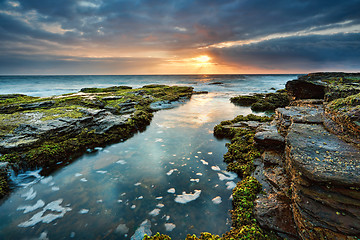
169, 179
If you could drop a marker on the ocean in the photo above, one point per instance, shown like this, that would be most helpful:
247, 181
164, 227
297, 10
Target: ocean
171, 178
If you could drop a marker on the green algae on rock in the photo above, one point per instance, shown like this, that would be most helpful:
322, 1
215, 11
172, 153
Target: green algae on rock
40, 132
263, 102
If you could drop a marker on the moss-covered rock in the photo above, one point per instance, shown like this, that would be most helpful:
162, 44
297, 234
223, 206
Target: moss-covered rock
39, 132
263, 102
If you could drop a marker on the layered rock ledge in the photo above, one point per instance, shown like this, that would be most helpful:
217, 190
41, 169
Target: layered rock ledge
309, 168
41, 132
314, 182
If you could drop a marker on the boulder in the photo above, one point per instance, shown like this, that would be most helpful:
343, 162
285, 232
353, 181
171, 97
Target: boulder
300, 89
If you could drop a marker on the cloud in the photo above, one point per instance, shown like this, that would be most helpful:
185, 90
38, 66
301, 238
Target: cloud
120, 28
339, 51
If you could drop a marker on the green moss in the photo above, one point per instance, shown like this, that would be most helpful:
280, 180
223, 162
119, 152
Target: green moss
346, 104
244, 223
240, 156
4, 185
61, 112
101, 90
157, 236
15, 99
246, 100
263, 102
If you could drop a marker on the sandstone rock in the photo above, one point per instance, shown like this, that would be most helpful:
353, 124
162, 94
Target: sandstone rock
274, 213
301, 114
269, 137
270, 157
300, 89
322, 156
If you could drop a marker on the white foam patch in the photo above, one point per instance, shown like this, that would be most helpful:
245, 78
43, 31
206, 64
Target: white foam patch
171, 190
215, 168
187, 197
143, 229
46, 180
29, 195
137, 184
230, 185
199, 174
84, 211
53, 206
195, 180
99, 201
98, 148
230, 176
122, 162
55, 188
43, 236
216, 200
72, 234
159, 140
160, 205
29, 208
204, 162
101, 172
78, 174
169, 226
171, 171
83, 180
155, 212
122, 229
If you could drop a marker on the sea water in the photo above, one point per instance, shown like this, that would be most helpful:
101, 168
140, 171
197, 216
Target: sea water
171, 178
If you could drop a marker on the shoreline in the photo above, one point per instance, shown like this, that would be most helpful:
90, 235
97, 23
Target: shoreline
270, 163
40, 132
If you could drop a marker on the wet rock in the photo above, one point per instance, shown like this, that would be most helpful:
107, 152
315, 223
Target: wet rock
270, 157
166, 104
300, 89
16, 142
9, 96
273, 212
249, 124
301, 114
4, 166
322, 156
269, 137
35, 105
307, 102
110, 98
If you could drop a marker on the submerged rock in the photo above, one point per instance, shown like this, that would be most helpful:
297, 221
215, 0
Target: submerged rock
143, 229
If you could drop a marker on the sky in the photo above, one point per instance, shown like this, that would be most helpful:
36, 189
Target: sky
178, 36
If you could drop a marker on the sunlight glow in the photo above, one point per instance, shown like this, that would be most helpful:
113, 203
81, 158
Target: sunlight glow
202, 59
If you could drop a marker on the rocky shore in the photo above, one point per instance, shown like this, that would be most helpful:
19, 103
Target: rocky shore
49, 132
310, 161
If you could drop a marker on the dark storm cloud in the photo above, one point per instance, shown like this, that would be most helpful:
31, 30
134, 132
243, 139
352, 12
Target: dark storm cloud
170, 25
341, 51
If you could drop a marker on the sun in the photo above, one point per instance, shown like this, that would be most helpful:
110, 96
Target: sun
202, 59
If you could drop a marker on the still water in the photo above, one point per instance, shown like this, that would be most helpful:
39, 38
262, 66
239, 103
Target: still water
169, 179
